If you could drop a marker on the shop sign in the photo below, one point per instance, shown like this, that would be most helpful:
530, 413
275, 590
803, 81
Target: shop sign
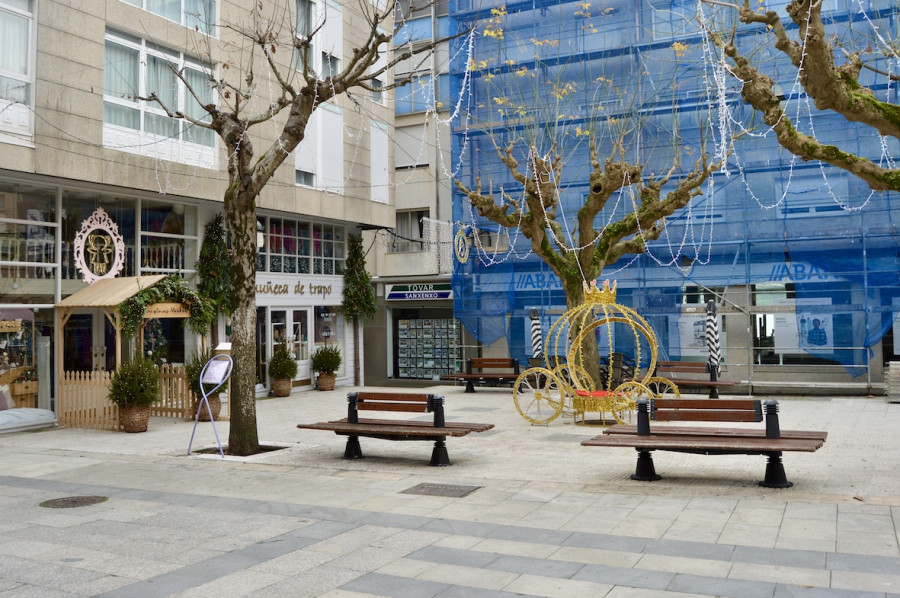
99, 248
10, 325
166, 310
419, 292
298, 289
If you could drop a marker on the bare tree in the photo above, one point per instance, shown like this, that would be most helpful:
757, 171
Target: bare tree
273, 45
833, 84
541, 139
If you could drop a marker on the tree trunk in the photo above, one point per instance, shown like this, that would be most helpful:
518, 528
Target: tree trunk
243, 438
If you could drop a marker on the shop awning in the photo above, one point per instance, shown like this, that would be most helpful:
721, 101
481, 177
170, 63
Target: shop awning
106, 295
109, 292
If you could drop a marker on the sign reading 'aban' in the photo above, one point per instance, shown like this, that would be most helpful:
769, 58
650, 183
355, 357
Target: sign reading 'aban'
419, 292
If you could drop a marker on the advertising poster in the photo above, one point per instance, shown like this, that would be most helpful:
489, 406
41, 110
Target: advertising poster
690, 330
809, 327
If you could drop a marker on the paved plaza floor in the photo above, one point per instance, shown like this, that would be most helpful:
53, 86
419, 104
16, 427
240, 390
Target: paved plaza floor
545, 516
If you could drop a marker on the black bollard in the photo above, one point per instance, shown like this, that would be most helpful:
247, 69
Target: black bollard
773, 429
436, 406
352, 412
643, 417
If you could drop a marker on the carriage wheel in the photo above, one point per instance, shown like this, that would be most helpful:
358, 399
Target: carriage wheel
625, 400
538, 395
572, 377
662, 387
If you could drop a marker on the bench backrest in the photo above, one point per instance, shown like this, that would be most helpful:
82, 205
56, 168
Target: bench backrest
395, 401
492, 363
709, 410
730, 408
692, 367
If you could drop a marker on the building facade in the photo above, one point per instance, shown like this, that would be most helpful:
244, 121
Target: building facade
76, 136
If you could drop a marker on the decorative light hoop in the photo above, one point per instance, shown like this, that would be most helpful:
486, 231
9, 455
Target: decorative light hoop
599, 309
99, 221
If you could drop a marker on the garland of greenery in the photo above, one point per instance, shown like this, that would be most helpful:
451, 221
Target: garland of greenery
172, 288
214, 266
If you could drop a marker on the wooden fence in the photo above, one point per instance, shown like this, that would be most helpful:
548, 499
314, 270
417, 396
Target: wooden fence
84, 403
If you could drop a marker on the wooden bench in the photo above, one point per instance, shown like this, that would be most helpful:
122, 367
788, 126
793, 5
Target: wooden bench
710, 440
397, 429
693, 369
483, 370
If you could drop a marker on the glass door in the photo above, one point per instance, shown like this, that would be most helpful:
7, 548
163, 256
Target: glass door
300, 338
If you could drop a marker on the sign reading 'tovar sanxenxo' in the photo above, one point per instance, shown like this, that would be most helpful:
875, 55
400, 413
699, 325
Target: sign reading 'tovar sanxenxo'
419, 292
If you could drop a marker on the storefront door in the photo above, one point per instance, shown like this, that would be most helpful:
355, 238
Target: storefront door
89, 343
292, 327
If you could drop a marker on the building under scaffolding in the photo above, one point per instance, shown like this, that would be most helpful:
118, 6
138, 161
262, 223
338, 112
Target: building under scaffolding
801, 258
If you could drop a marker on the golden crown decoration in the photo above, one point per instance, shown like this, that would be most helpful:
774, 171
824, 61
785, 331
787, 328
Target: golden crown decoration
606, 295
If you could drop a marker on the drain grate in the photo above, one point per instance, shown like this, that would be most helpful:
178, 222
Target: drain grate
441, 490
70, 502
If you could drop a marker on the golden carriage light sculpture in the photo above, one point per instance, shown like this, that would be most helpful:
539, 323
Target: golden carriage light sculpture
566, 384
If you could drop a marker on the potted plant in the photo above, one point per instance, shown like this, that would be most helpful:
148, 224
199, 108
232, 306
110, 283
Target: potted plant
326, 361
282, 369
134, 388
192, 370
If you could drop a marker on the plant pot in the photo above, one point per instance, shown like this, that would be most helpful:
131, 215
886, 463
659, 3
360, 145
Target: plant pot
215, 405
281, 387
325, 382
134, 419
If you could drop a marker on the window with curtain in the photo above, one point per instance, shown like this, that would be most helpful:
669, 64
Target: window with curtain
305, 12
409, 232
16, 21
135, 68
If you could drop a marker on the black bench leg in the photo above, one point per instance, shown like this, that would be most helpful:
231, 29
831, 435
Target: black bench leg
775, 476
439, 456
644, 471
470, 386
352, 450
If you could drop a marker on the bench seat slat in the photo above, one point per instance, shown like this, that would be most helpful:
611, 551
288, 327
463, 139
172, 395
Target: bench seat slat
690, 443
384, 429
664, 430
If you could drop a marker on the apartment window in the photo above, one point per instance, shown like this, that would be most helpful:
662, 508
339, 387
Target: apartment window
305, 178
410, 232
16, 70
331, 65
377, 93
304, 28
415, 96
193, 14
136, 68
410, 147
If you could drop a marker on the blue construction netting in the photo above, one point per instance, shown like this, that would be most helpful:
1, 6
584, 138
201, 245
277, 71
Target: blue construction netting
811, 242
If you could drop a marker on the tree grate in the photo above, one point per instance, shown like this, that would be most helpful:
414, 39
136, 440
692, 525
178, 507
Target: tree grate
441, 490
71, 502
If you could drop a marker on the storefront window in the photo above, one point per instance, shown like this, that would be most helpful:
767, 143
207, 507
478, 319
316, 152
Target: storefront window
27, 250
78, 206
297, 247
168, 237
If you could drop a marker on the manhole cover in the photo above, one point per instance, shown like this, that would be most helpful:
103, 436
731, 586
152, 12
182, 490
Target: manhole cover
70, 502
442, 490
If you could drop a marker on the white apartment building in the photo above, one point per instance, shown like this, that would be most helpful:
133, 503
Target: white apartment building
414, 337
75, 137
